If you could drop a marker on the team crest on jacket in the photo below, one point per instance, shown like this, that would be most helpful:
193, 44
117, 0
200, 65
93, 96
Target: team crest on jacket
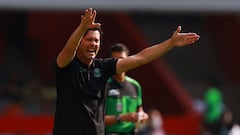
97, 72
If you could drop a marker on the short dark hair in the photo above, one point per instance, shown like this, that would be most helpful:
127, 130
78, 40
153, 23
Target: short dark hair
119, 47
98, 29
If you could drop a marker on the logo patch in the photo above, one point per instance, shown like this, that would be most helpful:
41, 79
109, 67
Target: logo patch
97, 72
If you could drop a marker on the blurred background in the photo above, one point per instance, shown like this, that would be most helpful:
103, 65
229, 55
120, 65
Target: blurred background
182, 85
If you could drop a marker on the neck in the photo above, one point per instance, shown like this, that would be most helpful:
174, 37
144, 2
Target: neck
88, 62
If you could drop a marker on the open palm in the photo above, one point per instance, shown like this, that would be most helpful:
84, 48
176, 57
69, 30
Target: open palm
182, 39
87, 20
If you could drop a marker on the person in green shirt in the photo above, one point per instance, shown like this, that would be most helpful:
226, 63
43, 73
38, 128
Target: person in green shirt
124, 111
214, 109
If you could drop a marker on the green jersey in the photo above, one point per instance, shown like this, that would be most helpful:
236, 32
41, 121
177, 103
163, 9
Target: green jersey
122, 98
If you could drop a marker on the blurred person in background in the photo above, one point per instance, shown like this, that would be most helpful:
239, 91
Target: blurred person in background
214, 108
226, 122
81, 77
155, 124
124, 99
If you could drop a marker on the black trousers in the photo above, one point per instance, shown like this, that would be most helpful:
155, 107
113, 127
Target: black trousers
120, 134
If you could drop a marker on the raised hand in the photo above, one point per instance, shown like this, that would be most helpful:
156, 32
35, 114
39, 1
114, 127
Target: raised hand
88, 19
183, 39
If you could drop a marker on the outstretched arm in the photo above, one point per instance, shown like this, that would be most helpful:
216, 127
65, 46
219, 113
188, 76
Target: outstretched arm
151, 53
68, 52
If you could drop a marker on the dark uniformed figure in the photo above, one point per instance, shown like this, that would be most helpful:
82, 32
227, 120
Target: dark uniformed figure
81, 78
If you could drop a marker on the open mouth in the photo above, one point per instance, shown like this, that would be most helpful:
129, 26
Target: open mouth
91, 51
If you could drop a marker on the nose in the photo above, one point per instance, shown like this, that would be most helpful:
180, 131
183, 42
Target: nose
93, 44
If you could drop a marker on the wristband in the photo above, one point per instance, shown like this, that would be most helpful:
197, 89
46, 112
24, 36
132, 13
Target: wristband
118, 119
